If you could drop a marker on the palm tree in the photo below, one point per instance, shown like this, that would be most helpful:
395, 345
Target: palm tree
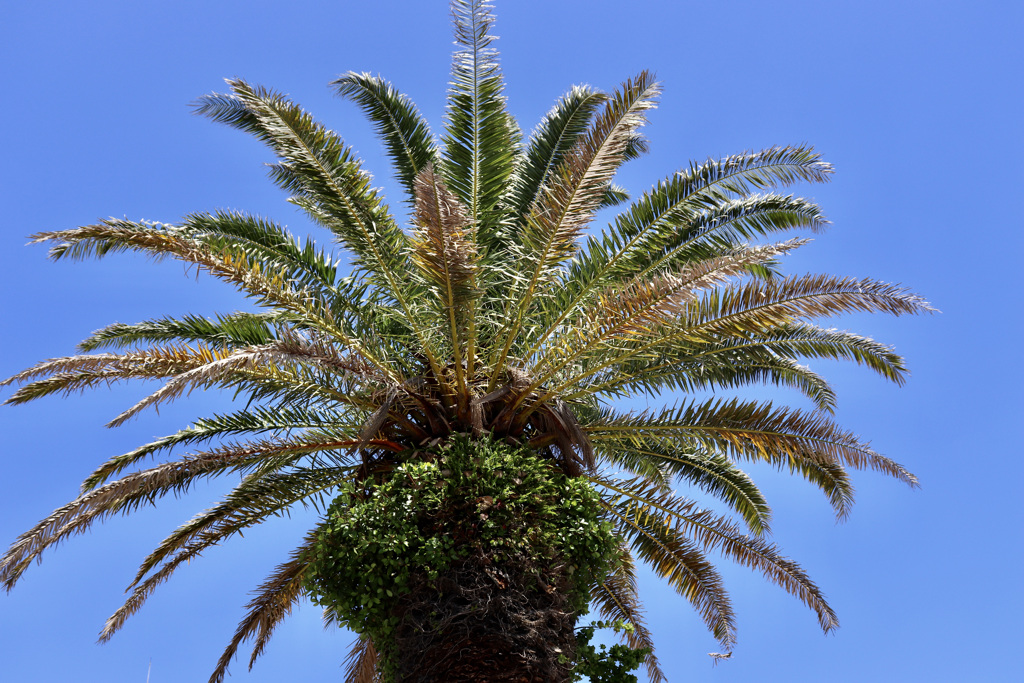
498, 321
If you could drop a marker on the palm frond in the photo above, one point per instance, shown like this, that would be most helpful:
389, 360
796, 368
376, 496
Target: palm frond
222, 370
750, 309
809, 443
782, 302
650, 508
616, 597
677, 560
480, 137
578, 184
711, 472
574, 193
361, 662
251, 420
123, 497
694, 214
269, 285
614, 196
767, 357
642, 307
252, 502
694, 368
77, 373
323, 175
274, 600
405, 134
261, 240
220, 332
549, 144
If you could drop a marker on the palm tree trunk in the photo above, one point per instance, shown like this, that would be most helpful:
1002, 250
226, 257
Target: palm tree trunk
506, 621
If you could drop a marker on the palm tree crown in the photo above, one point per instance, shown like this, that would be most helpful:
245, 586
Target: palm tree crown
497, 314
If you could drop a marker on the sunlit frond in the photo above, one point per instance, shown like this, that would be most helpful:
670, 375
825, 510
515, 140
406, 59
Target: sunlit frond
405, 134
677, 559
569, 200
550, 142
711, 472
808, 443
252, 502
123, 496
252, 420
323, 175
641, 308
647, 507
221, 332
480, 136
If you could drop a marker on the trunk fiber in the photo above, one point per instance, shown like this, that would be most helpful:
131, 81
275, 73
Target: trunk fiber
505, 621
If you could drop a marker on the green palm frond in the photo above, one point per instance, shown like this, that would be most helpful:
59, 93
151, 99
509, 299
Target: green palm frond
263, 241
275, 599
781, 302
712, 230
694, 214
405, 134
807, 443
646, 507
615, 195
677, 559
641, 308
617, 597
810, 341
709, 471
480, 136
749, 309
252, 502
578, 184
320, 171
220, 332
575, 192
549, 144
250, 421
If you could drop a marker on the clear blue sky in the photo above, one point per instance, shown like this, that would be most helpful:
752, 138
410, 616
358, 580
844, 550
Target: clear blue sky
918, 105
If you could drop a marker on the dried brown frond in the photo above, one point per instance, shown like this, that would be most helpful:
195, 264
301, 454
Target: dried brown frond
444, 242
121, 496
444, 250
77, 373
361, 662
